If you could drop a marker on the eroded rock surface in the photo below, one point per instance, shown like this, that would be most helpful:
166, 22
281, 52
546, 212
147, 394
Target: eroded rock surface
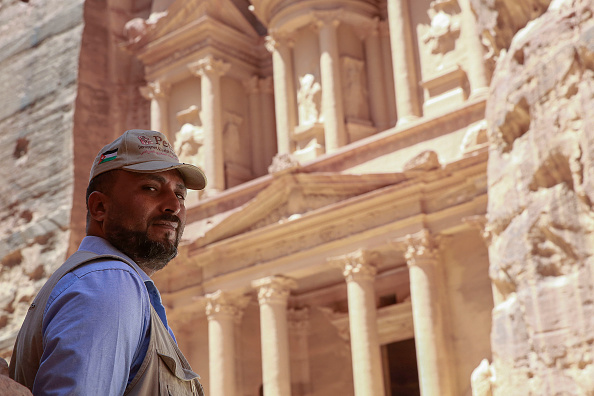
39, 47
540, 215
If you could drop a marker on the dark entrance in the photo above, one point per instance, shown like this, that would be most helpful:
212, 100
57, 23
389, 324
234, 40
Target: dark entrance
400, 368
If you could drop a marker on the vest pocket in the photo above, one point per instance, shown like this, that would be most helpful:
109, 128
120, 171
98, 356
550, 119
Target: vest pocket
175, 380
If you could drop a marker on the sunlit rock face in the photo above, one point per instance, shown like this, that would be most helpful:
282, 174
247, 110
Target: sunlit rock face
540, 217
39, 53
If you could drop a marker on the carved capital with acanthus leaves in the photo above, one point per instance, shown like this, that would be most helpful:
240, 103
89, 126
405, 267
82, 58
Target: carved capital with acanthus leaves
421, 247
274, 289
209, 65
155, 90
357, 266
222, 303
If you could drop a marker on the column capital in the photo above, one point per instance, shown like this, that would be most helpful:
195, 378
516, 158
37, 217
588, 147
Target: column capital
266, 85
384, 28
358, 265
368, 28
252, 85
274, 289
278, 38
298, 320
155, 90
421, 246
327, 17
225, 303
209, 65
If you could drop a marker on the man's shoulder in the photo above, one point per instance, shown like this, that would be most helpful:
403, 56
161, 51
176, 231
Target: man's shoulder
104, 264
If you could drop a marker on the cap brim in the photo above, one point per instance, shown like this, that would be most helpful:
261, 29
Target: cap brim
193, 176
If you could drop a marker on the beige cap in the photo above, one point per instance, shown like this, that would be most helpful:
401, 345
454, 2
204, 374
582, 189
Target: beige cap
143, 151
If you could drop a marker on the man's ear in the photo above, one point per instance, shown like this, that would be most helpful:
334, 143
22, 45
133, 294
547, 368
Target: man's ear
98, 205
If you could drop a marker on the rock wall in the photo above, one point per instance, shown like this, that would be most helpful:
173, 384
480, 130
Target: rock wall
541, 192
39, 48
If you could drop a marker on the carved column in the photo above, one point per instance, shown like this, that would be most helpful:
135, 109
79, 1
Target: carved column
222, 311
375, 74
335, 133
298, 333
268, 121
158, 92
210, 71
405, 73
423, 261
252, 87
359, 269
284, 90
475, 66
273, 293
388, 72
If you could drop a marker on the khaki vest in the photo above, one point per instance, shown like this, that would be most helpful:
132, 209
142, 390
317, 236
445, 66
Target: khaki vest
163, 372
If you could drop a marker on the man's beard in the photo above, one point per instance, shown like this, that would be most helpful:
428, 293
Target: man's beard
147, 253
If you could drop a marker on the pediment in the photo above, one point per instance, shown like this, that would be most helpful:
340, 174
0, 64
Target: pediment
185, 13
288, 197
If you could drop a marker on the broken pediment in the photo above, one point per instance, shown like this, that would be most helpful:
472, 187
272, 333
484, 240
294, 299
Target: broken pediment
289, 197
184, 15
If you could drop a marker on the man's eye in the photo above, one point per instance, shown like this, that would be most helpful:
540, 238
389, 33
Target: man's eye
181, 196
150, 188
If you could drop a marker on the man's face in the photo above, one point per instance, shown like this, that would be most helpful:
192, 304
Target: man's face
145, 217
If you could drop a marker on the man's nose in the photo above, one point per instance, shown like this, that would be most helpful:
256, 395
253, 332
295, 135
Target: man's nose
171, 203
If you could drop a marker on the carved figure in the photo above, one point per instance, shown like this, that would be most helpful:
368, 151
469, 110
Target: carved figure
444, 28
189, 140
308, 99
355, 91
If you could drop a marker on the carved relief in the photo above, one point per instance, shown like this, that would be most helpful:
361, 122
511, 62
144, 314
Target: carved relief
232, 138
189, 140
354, 89
445, 26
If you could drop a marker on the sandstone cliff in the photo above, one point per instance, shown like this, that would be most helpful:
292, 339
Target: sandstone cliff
541, 191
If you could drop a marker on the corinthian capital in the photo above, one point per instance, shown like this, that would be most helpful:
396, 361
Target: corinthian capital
421, 246
225, 303
327, 17
155, 90
274, 289
358, 265
209, 65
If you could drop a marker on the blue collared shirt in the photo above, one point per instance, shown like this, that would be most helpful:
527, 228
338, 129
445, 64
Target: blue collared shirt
96, 326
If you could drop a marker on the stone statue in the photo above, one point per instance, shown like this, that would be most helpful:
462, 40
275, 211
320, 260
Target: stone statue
354, 89
308, 99
189, 140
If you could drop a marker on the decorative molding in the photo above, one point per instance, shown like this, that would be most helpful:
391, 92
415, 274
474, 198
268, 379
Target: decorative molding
274, 289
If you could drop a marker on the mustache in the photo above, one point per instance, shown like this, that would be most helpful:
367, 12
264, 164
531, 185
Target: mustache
167, 217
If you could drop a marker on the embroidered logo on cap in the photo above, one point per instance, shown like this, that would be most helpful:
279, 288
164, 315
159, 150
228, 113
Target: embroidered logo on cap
144, 140
108, 156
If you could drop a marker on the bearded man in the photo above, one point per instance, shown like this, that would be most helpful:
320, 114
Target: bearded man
98, 326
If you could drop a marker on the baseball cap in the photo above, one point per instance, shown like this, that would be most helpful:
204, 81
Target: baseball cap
142, 151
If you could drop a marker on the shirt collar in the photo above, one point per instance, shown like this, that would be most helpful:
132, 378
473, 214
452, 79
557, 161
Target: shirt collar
99, 245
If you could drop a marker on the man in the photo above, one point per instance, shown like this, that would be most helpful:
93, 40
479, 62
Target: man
98, 326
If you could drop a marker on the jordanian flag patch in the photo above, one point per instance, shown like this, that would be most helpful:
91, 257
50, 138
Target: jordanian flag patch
108, 156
